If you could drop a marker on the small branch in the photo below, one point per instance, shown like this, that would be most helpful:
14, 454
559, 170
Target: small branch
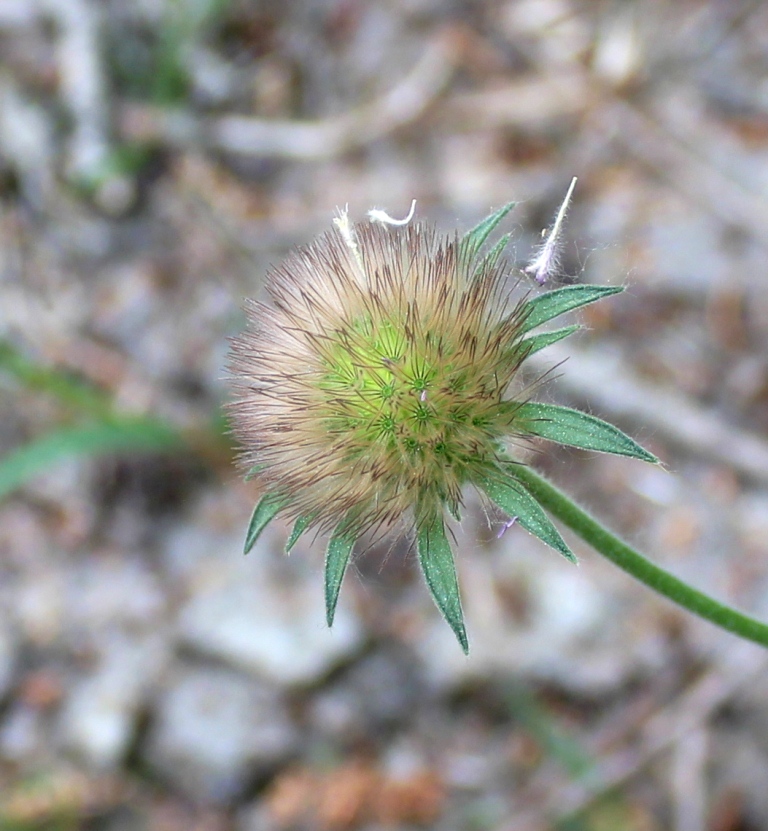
82, 82
687, 775
689, 161
311, 140
634, 563
735, 669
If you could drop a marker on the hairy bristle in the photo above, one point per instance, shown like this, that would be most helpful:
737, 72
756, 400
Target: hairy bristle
378, 376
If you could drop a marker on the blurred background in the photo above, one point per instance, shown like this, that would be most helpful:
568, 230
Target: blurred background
155, 157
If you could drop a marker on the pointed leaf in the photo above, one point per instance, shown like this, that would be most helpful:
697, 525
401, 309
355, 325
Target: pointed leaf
264, 512
535, 343
336, 560
473, 240
577, 429
253, 472
492, 257
514, 499
544, 307
299, 527
436, 560
453, 509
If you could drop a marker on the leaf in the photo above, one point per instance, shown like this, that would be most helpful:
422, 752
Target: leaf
577, 429
112, 436
265, 511
473, 240
453, 509
299, 527
492, 257
512, 497
535, 343
254, 472
336, 559
436, 560
545, 727
544, 307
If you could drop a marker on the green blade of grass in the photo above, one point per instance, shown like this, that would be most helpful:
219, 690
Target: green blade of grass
76, 394
114, 436
543, 726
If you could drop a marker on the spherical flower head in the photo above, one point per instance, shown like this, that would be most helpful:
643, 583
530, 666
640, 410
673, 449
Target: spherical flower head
382, 379
377, 388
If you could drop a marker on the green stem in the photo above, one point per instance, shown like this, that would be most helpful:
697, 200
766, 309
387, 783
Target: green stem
634, 563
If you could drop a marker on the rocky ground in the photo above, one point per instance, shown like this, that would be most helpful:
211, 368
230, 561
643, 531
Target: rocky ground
155, 158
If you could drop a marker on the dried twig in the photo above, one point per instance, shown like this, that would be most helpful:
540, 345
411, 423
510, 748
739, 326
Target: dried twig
530, 102
694, 708
665, 141
82, 82
677, 155
326, 138
687, 779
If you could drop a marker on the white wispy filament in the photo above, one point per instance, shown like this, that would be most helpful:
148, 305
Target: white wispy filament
545, 263
378, 215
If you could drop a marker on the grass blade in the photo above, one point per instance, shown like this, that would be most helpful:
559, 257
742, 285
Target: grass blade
114, 436
79, 395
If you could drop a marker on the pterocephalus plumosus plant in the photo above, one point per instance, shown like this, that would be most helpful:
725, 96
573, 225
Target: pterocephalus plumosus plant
383, 379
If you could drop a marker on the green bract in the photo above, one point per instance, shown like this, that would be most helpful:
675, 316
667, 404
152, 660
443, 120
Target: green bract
383, 379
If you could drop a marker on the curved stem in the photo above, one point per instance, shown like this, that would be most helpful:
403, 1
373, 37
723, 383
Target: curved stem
634, 563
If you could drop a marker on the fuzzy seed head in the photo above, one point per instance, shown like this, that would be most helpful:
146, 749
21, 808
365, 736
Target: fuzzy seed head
381, 380
377, 381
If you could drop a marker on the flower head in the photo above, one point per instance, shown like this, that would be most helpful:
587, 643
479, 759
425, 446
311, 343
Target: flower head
382, 379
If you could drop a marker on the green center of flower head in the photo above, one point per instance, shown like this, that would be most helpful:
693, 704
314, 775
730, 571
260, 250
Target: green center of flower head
381, 382
415, 405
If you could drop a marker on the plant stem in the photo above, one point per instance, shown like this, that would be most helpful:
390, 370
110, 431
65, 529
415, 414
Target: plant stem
634, 563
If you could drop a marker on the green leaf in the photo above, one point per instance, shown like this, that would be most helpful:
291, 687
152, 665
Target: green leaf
254, 472
535, 343
473, 240
453, 509
577, 429
544, 307
492, 257
265, 511
548, 731
299, 527
336, 559
436, 560
112, 436
512, 497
